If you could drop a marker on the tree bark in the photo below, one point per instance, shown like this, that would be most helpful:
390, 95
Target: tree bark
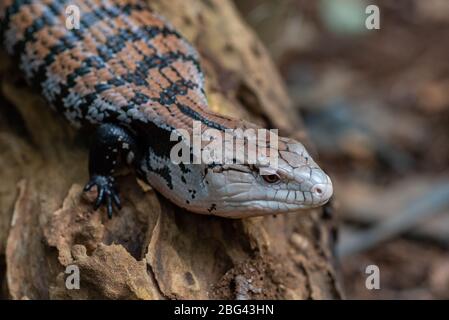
152, 249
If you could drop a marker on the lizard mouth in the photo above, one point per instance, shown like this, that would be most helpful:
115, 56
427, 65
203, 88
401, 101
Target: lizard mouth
293, 201
254, 208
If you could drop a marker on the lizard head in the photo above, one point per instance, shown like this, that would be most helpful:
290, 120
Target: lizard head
244, 190
295, 182
239, 189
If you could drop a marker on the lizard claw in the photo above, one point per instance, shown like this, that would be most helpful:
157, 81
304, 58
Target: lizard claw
107, 192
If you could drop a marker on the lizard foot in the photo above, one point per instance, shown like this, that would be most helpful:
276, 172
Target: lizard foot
107, 192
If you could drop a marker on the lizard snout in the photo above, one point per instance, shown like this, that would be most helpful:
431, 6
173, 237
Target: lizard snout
322, 192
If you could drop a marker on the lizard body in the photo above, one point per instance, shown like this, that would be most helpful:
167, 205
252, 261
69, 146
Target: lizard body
129, 73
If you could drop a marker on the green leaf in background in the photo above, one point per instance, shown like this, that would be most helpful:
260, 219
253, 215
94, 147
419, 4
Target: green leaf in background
345, 17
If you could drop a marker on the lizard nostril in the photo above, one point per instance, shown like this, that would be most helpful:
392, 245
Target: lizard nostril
322, 192
318, 190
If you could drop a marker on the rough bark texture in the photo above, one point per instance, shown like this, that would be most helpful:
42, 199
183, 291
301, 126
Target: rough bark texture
152, 249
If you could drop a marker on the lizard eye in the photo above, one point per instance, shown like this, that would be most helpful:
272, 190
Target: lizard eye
271, 178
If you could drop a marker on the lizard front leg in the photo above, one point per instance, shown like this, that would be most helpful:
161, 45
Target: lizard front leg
111, 144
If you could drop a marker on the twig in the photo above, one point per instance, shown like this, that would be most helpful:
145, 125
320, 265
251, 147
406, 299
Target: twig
429, 204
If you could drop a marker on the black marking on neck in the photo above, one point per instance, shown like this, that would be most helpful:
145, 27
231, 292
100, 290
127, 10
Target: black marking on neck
164, 173
198, 117
212, 207
192, 193
183, 168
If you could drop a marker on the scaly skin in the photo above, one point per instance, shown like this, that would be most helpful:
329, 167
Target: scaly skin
129, 73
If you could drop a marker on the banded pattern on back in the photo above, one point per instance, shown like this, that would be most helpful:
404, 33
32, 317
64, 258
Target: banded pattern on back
125, 64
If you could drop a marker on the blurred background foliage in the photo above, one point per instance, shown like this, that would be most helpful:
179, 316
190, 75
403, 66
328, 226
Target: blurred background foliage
376, 107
